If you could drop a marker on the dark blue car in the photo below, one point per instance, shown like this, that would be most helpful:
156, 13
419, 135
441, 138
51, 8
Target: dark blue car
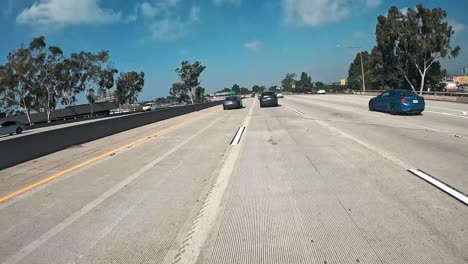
397, 101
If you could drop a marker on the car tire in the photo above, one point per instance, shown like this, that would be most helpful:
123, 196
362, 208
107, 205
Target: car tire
19, 130
393, 110
224, 108
261, 105
371, 107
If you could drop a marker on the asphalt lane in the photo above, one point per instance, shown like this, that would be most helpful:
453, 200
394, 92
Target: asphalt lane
315, 180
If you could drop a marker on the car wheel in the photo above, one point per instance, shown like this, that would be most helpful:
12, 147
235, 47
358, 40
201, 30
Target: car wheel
393, 110
261, 105
371, 107
19, 130
224, 108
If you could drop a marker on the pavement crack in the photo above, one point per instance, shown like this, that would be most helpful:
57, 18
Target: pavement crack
360, 230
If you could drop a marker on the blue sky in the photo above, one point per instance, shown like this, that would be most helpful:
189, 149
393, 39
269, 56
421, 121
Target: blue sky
240, 41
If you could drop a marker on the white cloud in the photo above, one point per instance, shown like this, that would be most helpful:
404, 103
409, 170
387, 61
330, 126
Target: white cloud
59, 13
318, 12
373, 3
194, 14
167, 29
253, 45
456, 26
133, 17
227, 2
314, 12
148, 10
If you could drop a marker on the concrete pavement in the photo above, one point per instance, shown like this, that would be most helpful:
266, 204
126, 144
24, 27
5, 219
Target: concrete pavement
317, 180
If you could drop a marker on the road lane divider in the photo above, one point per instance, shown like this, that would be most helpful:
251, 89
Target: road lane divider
238, 136
28, 249
189, 251
447, 114
441, 185
99, 157
294, 110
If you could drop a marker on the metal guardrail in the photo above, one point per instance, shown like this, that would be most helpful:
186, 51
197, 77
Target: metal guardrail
458, 94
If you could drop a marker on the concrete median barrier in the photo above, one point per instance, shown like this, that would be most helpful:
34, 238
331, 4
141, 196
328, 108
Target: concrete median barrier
21, 149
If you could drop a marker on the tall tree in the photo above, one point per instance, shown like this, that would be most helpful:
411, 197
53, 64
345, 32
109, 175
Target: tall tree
189, 74
256, 89
288, 81
244, 90
304, 83
15, 84
354, 80
91, 97
129, 85
236, 88
178, 90
415, 39
49, 73
199, 94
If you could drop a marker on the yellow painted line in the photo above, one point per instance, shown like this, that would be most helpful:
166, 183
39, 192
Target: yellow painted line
89, 161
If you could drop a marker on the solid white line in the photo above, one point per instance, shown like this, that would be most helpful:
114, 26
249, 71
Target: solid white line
238, 136
465, 113
18, 256
447, 114
443, 108
297, 111
401, 163
456, 194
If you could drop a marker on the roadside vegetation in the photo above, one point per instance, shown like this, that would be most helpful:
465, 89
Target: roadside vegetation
41, 78
409, 46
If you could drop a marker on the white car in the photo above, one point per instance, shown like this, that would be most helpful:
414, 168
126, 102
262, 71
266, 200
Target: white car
279, 95
150, 107
11, 127
321, 92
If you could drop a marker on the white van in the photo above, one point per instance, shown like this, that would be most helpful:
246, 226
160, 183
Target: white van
150, 107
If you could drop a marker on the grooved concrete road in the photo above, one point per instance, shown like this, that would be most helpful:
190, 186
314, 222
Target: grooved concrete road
319, 179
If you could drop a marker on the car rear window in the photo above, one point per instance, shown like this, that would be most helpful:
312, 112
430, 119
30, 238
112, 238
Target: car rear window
231, 98
7, 123
268, 93
405, 93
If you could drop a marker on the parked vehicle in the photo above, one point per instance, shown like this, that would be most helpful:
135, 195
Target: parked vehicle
232, 102
397, 101
150, 107
321, 92
268, 99
279, 95
11, 127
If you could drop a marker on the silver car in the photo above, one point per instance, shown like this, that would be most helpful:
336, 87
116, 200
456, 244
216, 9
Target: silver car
11, 127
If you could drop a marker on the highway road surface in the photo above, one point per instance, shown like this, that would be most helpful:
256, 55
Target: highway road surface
319, 179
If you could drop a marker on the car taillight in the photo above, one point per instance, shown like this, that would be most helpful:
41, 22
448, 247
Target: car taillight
403, 100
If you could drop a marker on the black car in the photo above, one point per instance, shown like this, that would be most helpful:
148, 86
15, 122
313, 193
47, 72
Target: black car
232, 102
268, 99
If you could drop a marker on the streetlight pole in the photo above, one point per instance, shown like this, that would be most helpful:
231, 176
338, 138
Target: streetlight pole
362, 65
363, 77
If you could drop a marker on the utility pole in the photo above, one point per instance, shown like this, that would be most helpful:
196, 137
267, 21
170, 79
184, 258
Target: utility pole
363, 77
362, 64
